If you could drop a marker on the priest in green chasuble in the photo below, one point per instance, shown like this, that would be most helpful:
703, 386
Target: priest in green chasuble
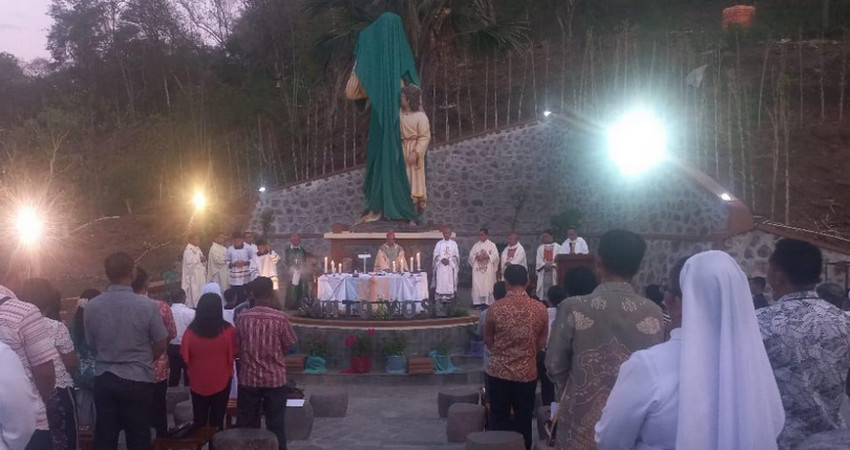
295, 259
390, 256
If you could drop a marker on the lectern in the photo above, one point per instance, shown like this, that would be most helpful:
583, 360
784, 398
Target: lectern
566, 262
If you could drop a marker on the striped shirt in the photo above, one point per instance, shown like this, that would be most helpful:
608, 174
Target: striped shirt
239, 276
23, 329
263, 336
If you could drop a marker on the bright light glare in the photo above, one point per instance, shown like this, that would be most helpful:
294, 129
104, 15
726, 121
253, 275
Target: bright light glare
262, 189
28, 225
725, 197
199, 200
547, 113
637, 142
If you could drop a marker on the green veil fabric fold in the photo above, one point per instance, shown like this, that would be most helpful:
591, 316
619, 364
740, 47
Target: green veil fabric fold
384, 58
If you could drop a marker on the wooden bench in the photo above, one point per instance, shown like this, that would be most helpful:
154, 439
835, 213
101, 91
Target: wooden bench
194, 441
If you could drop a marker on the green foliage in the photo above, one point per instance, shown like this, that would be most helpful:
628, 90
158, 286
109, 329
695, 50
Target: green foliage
561, 222
394, 344
318, 347
360, 343
442, 347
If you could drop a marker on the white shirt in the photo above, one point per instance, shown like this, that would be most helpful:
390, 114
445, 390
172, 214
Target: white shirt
18, 402
643, 409
580, 244
183, 316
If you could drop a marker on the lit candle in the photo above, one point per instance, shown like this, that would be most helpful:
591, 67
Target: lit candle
326, 264
418, 262
340, 267
410, 268
333, 267
393, 266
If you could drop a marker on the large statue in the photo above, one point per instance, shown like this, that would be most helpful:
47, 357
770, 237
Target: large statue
415, 137
383, 63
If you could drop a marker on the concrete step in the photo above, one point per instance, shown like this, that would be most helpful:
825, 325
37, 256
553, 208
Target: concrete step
378, 378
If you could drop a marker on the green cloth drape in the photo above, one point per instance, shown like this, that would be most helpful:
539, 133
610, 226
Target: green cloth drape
384, 58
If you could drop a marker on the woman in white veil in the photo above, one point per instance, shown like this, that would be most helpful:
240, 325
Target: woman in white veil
711, 387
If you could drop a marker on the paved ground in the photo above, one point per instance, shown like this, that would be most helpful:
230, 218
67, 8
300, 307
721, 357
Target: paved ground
396, 417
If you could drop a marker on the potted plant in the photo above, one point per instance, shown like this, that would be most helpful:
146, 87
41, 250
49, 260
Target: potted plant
440, 355
361, 352
317, 351
393, 349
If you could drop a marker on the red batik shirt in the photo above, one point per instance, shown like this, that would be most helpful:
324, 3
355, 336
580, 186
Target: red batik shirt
515, 330
263, 336
160, 366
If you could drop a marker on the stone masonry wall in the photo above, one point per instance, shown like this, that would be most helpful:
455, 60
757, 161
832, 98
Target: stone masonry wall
518, 178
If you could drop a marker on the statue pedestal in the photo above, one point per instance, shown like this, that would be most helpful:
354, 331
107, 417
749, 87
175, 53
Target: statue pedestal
567, 262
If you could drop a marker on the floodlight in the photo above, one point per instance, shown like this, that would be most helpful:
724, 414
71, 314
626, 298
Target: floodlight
28, 225
547, 113
725, 197
199, 200
637, 142
262, 189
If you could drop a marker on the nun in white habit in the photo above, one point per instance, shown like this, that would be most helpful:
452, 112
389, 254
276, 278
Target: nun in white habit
709, 387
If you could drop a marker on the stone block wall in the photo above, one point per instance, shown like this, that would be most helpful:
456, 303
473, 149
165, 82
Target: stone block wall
752, 250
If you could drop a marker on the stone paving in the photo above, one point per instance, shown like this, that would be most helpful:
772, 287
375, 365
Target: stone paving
396, 417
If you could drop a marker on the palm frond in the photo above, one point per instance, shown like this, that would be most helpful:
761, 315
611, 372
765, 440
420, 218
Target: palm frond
493, 37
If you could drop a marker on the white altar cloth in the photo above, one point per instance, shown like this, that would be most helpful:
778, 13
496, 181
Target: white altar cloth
402, 287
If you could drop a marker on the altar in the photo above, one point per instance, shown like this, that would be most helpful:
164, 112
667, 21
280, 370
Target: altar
373, 287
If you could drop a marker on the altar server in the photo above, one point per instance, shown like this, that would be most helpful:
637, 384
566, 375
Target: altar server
546, 273
194, 270
446, 262
388, 253
514, 253
264, 263
217, 270
484, 259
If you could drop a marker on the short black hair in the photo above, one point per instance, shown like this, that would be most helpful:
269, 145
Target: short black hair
262, 288
237, 235
178, 296
516, 275
622, 252
654, 293
556, 295
759, 281
262, 241
484, 230
193, 234
230, 295
579, 281
500, 290
799, 260
118, 266
141, 279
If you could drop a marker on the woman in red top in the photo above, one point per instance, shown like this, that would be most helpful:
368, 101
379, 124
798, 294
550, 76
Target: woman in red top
208, 348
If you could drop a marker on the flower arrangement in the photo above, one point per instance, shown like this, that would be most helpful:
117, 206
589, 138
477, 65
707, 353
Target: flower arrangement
360, 344
394, 345
318, 348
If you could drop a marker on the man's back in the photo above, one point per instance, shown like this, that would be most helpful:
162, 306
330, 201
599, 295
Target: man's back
808, 344
263, 336
592, 336
121, 328
516, 326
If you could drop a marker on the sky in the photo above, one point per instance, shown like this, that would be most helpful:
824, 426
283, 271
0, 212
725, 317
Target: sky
23, 28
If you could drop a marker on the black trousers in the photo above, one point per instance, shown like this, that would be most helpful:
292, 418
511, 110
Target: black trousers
209, 410
176, 366
62, 419
254, 402
547, 388
159, 410
506, 396
122, 405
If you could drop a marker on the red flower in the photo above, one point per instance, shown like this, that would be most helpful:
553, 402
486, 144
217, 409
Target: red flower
371, 331
350, 340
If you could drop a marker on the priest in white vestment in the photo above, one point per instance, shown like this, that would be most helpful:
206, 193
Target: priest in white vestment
547, 273
388, 253
264, 263
514, 253
217, 270
446, 264
574, 245
711, 386
484, 259
194, 270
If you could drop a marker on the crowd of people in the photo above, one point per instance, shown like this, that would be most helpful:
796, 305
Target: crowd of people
111, 370
705, 361
708, 363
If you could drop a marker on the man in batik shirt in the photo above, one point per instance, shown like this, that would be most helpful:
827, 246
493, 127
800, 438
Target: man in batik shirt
593, 334
807, 341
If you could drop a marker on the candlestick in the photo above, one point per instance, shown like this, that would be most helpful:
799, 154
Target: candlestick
418, 262
411, 265
393, 266
326, 264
